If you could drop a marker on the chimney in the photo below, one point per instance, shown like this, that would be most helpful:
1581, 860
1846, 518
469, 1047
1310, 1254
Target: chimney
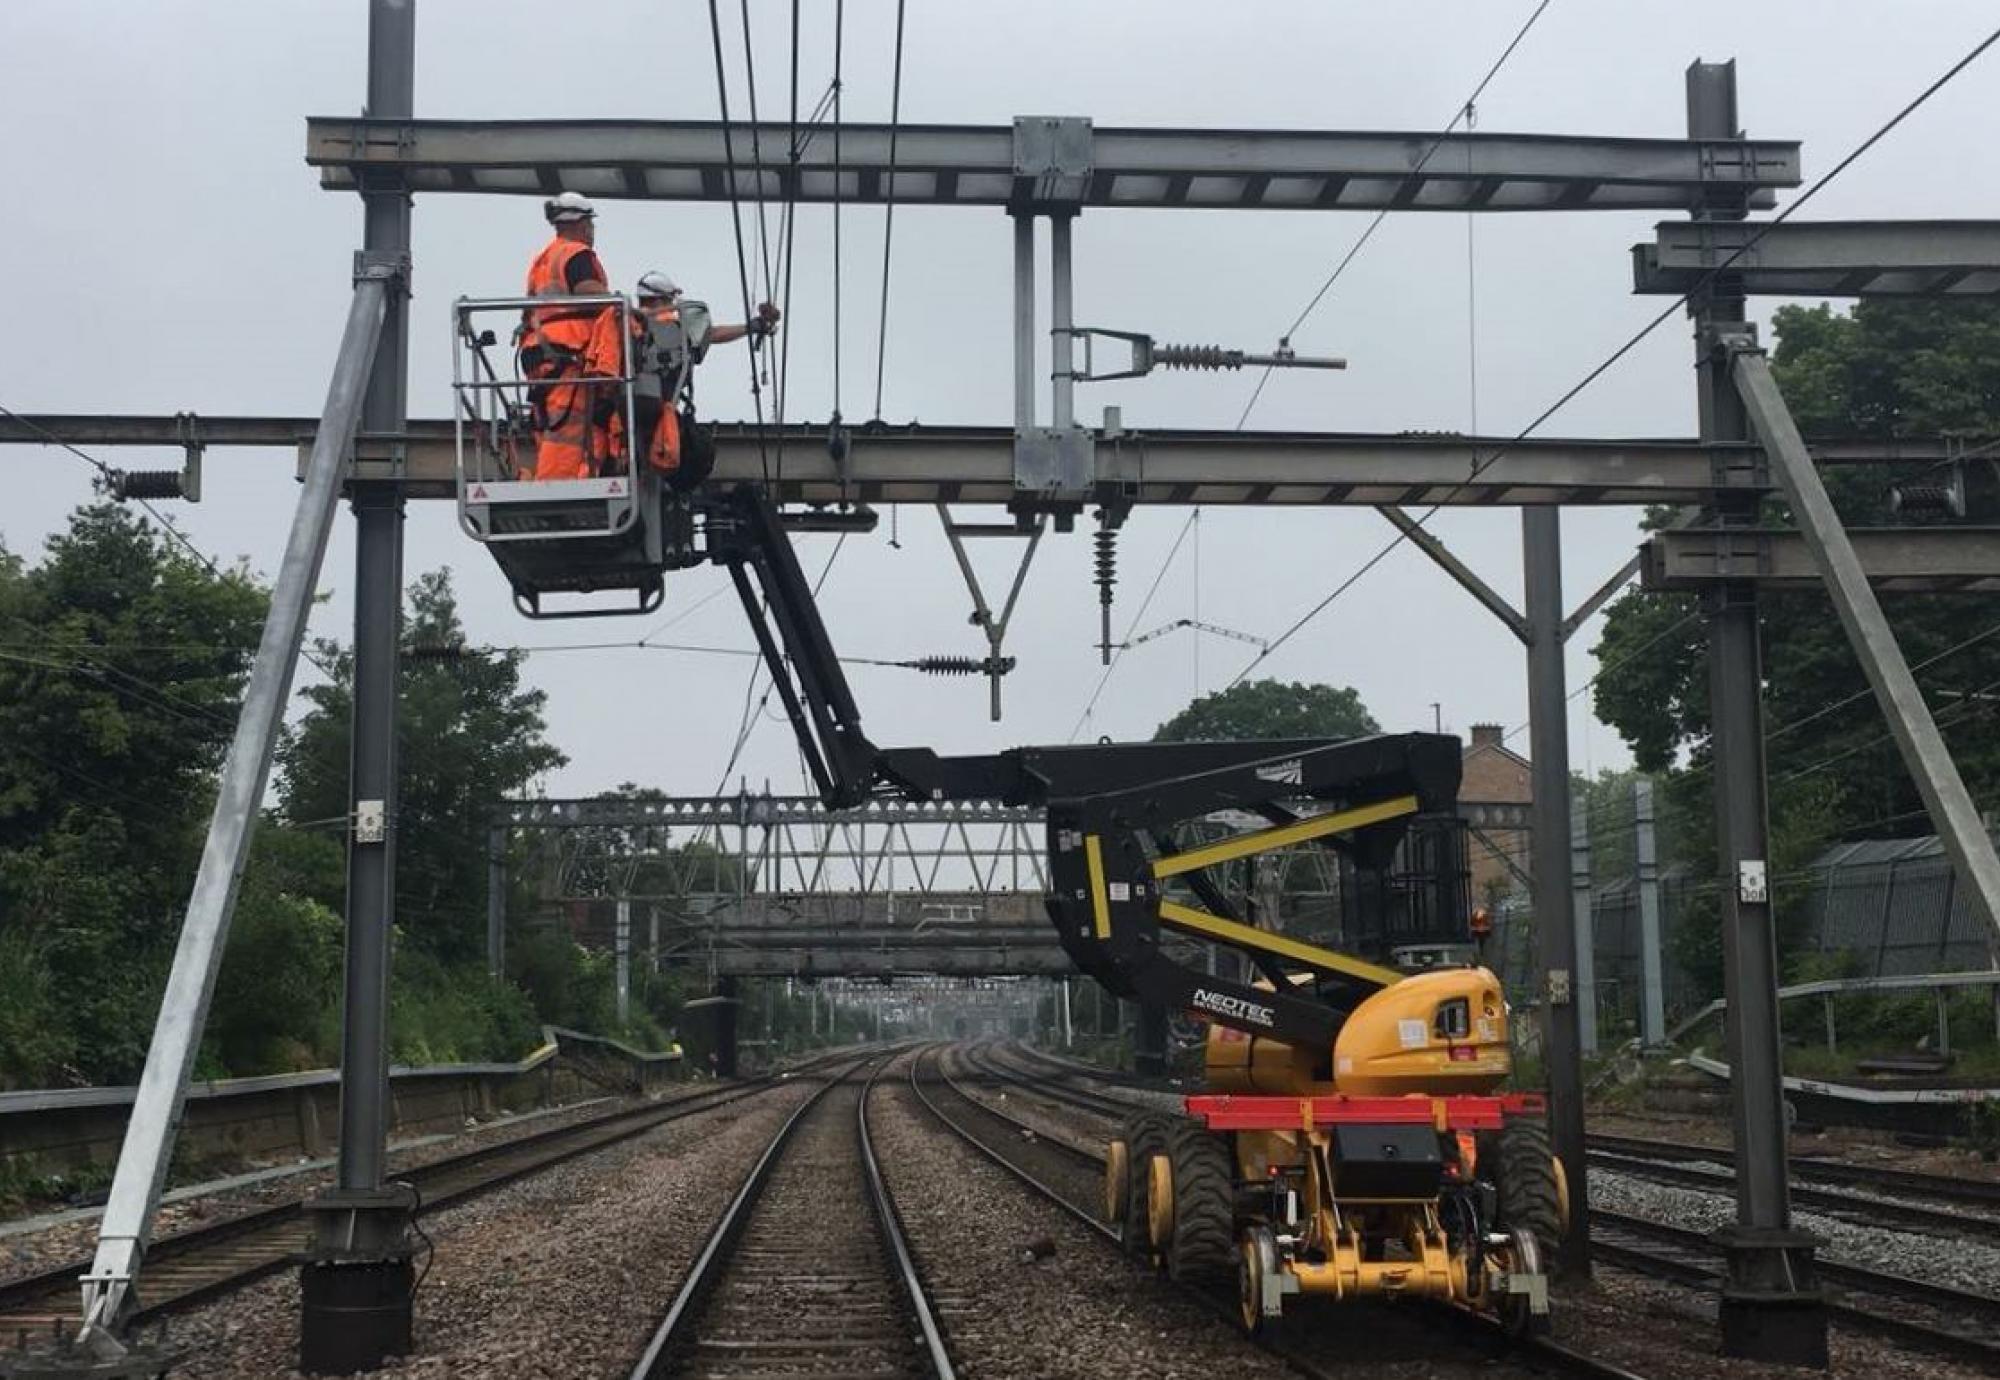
1486, 735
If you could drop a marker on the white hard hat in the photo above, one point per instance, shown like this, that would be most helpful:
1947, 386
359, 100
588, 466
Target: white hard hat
658, 284
568, 206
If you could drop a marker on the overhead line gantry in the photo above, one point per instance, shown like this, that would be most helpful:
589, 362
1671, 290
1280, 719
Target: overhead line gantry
1057, 167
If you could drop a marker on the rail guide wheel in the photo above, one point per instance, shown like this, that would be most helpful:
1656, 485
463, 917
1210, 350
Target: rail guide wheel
1261, 1283
1523, 1306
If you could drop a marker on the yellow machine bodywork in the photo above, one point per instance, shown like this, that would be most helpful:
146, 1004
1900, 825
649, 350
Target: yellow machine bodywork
1435, 1033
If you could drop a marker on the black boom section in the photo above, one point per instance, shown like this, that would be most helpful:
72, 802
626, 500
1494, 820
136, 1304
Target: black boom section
744, 535
1124, 863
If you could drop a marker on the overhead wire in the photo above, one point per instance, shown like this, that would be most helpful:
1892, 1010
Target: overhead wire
756, 152
1762, 228
787, 238
736, 220
106, 476
889, 210
1464, 109
839, 42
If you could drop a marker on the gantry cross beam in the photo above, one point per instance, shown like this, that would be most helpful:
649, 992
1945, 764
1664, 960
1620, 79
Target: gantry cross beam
964, 464
1041, 162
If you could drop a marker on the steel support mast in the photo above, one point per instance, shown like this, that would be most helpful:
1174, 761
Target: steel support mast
357, 1280
1555, 927
1772, 1309
127, 1226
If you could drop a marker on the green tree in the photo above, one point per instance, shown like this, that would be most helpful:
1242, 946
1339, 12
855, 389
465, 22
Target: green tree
1271, 709
121, 661
1886, 369
470, 736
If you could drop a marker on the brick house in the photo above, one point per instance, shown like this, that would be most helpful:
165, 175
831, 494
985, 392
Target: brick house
1495, 772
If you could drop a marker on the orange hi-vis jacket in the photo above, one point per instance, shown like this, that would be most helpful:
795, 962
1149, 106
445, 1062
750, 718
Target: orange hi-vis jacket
660, 424
566, 328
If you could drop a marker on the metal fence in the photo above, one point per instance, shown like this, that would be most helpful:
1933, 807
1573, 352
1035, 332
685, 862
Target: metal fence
1888, 907
1894, 905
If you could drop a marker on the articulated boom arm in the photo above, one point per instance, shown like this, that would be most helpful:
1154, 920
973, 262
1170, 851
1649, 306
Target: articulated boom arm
1120, 876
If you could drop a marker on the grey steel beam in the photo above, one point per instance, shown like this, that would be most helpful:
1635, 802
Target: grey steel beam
127, 1225
1846, 577
1771, 1308
1856, 258
1555, 929
977, 465
1897, 559
926, 464
1433, 546
985, 165
1599, 597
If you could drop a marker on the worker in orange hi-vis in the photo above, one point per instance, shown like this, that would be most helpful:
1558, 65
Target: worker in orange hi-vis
554, 339
656, 381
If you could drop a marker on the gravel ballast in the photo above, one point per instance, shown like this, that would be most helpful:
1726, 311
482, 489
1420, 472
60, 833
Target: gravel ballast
565, 1273
1967, 1263
1020, 1288
29, 1252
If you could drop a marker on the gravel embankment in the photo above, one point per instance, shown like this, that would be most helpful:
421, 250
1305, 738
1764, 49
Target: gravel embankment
564, 1274
1966, 1263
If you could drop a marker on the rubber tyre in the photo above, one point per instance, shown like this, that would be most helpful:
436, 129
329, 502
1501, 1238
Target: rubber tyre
1525, 1174
1145, 1135
1203, 1248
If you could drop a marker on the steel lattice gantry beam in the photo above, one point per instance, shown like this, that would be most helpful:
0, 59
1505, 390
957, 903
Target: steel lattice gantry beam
1038, 162
925, 464
1858, 258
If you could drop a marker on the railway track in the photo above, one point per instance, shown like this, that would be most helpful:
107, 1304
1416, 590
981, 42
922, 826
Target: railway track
193, 1266
1934, 1318
1931, 1317
808, 1271
1071, 1179
1979, 1195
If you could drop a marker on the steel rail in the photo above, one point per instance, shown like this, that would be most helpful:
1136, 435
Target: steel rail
1899, 1216
1975, 1192
1691, 1269
899, 1245
672, 1335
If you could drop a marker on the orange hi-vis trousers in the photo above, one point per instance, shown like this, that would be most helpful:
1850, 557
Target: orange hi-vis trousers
566, 444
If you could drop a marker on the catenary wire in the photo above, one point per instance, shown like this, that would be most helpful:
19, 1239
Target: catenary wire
889, 211
1368, 232
1750, 242
736, 220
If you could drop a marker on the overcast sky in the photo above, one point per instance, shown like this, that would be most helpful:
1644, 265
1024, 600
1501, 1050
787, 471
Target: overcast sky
172, 252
